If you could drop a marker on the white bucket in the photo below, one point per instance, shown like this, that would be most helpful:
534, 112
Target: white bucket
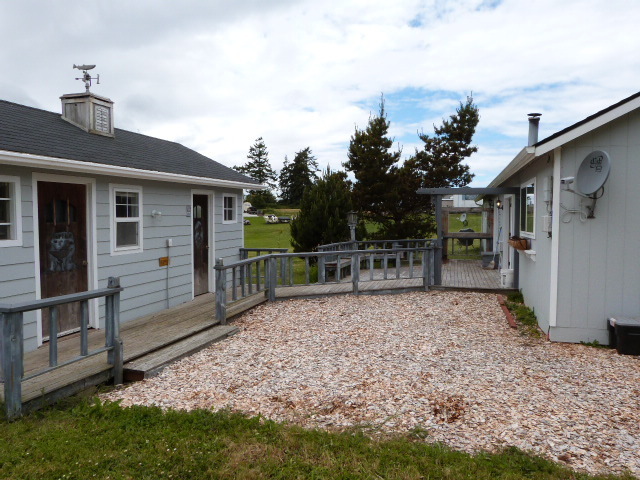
506, 278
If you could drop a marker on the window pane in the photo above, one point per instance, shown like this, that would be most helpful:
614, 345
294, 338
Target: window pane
126, 234
5, 211
126, 204
5, 232
5, 190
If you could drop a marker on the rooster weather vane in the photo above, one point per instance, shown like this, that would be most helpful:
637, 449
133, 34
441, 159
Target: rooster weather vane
86, 76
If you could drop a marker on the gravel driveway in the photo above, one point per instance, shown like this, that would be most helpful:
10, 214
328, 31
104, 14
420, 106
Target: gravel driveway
444, 362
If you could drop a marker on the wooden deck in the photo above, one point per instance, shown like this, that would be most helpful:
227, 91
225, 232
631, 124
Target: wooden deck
469, 274
140, 337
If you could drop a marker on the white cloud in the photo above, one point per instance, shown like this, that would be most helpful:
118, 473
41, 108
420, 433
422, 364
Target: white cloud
217, 75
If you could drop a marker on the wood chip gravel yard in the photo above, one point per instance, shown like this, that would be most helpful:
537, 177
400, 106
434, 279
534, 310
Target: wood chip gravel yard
444, 363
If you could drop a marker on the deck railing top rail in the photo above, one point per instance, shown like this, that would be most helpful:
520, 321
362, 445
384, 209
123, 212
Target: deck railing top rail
31, 305
366, 244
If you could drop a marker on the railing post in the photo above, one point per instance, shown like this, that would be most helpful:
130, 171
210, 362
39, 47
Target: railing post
273, 277
425, 269
321, 270
12, 362
117, 354
355, 272
221, 292
53, 336
84, 328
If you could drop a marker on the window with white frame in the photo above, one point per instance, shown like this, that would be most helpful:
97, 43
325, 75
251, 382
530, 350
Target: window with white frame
528, 209
10, 215
126, 219
229, 209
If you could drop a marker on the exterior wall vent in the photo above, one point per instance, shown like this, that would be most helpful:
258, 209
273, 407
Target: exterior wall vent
90, 112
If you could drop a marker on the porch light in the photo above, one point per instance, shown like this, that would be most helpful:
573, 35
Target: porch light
499, 204
352, 221
156, 214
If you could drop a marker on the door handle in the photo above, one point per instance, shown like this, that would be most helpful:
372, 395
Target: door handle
84, 263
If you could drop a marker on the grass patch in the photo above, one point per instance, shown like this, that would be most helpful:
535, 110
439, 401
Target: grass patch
107, 441
460, 251
595, 344
525, 317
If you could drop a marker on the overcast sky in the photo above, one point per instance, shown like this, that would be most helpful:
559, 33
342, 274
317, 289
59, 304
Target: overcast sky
215, 75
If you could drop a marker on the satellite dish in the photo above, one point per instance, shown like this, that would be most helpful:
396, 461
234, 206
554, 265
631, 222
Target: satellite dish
593, 172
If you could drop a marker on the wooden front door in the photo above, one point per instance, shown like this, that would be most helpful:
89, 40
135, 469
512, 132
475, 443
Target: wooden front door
62, 227
200, 244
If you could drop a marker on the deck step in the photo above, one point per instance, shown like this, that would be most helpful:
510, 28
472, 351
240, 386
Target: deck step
150, 364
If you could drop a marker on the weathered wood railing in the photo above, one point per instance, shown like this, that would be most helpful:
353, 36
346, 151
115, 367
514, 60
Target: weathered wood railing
266, 273
12, 348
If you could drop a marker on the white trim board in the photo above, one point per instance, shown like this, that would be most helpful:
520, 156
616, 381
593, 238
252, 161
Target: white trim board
62, 164
92, 253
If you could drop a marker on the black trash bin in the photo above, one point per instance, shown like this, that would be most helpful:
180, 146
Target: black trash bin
627, 335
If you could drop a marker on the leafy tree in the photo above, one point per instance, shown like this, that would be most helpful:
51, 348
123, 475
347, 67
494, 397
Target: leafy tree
439, 164
323, 213
295, 177
259, 168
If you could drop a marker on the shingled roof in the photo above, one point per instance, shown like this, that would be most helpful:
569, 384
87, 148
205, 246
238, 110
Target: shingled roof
38, 132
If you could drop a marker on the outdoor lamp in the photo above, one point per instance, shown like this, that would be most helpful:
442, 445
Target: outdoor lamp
352, 221
499, 204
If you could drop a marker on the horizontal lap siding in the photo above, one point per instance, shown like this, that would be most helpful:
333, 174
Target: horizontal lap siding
143, 279
599, 263
17, 267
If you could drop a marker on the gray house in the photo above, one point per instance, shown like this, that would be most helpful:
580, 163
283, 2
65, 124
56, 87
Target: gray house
580, 264
81, 201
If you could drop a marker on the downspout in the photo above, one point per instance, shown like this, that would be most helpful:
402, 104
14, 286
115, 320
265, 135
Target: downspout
555, 239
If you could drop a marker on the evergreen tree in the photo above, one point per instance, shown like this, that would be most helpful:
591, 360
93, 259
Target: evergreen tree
295, 177
259, 168
323, 213
439, 163
372, 162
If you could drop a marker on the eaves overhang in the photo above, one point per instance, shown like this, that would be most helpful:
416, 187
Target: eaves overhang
63, 164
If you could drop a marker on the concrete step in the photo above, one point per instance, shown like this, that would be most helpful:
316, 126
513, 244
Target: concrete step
151, 364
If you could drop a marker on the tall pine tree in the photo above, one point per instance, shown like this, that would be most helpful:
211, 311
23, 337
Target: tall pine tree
295, 177
259, 168
373, 164
439, 163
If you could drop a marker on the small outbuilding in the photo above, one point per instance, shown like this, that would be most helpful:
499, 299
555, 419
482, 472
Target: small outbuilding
81, 201
578, 222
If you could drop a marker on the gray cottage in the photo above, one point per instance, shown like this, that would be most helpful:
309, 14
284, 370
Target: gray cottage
578, 257
81, 201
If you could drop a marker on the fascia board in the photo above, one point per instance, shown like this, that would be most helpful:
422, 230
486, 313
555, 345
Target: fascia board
585, 128
53, 163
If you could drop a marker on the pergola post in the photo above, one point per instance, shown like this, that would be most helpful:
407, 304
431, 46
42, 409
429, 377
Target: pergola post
438, 257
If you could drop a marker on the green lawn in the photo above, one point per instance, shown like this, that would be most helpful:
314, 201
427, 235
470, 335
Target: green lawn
262, 235
106, 441
474, 221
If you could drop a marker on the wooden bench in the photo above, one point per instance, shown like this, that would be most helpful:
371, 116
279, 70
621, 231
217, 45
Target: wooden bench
345, 267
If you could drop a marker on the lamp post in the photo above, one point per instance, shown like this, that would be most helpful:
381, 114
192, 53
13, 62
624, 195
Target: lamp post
352, 221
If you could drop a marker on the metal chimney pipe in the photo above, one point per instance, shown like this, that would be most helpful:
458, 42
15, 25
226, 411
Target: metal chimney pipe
534, 121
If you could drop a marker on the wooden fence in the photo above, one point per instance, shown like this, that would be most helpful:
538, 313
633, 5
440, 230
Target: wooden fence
12, 351
266, 274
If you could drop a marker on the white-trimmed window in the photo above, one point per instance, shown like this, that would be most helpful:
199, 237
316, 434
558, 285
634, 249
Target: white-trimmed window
126, 219
10, 212
229, 209
528, 209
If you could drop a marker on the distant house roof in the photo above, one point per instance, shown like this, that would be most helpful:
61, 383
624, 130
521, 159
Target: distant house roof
546, 145
39, 133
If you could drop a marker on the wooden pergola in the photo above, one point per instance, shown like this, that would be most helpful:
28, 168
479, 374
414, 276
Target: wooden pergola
438, 193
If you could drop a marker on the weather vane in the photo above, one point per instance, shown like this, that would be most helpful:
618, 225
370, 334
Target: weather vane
86, 76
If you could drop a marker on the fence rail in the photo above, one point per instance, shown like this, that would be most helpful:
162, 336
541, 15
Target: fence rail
12, 348
332, 265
